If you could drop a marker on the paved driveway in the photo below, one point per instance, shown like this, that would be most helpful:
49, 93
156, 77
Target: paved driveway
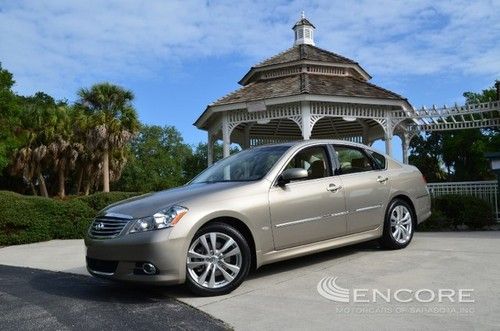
43, 300
284, 295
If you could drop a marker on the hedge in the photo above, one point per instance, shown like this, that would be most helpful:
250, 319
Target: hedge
27, 219
458, 212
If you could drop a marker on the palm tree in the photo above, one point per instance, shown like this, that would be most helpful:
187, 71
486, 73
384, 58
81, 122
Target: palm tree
114, 121
31, 160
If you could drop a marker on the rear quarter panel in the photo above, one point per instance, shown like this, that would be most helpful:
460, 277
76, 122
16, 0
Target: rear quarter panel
407, 180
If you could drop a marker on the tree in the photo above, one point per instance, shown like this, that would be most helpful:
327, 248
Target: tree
35, 131
114, 121
9, 117
459, 152
158, 156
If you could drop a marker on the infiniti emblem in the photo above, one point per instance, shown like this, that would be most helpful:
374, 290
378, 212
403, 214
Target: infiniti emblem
99, 226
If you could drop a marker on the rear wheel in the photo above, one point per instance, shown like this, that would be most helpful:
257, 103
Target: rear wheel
399, 225
218, 260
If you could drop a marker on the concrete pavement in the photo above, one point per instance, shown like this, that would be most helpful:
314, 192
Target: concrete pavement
284, 295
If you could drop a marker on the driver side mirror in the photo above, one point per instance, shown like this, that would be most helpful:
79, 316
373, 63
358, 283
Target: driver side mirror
292, 174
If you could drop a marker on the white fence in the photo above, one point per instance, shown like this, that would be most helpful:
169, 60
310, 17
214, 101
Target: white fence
487, 190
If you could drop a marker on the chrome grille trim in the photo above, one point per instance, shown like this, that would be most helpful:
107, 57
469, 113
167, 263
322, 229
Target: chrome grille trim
105, 227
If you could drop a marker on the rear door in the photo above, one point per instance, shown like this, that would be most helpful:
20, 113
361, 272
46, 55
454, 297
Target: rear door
308, 210
366, 185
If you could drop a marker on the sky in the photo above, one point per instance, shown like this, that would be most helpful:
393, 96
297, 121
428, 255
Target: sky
179, 56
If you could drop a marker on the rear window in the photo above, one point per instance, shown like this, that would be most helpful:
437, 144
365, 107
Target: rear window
378, 158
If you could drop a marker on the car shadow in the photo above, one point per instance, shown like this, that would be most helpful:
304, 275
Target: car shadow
313, 259
307, 261
95, 289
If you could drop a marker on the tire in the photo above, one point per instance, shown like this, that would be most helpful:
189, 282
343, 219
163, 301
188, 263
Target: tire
210, 273
399, 215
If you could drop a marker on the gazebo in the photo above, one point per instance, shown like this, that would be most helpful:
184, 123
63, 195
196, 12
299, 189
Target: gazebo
306, 92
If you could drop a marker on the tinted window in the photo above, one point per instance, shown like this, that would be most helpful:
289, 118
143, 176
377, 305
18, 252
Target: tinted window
378, 158
352, 160
314, 160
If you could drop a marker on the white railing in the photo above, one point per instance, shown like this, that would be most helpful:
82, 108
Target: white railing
486, 190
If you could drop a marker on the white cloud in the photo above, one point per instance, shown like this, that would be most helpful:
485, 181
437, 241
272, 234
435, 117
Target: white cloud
58, 46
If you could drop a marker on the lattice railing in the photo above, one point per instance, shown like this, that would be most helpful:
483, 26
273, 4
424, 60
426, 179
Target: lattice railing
352, 110
486, 190
480, 115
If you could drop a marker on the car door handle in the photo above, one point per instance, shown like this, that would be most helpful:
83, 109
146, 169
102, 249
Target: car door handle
333, 188
381, 179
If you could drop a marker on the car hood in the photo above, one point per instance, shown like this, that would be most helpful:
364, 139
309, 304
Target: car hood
150, 203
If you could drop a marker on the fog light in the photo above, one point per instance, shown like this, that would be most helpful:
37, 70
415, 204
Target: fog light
149, 269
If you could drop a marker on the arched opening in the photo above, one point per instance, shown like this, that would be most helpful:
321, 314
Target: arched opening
260, 133
339, 128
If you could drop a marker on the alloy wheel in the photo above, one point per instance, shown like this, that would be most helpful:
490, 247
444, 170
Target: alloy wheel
401, 224
214, 260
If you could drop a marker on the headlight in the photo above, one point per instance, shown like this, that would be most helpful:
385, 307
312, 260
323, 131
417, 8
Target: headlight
163, 219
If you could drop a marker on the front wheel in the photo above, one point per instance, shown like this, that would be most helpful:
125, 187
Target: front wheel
218, 260
399, 225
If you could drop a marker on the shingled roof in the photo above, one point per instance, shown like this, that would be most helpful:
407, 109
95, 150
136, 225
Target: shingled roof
303, 21
305, 52
344, 86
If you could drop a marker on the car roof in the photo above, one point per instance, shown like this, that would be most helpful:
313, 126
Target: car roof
300, 143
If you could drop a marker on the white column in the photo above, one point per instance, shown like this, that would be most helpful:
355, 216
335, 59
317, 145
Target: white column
246, 136
210, 147
405, 144
388, 144
388, 136
226, 136
306, 119
365, 137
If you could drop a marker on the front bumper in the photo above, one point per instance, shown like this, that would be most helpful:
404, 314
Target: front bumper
119, 258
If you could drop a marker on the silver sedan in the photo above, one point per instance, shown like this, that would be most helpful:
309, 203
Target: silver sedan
258, 206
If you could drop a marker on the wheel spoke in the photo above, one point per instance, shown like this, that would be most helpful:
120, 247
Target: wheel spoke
231, 267
228, 244
395, 234
211, 282
226, 274
406, 221
401, 234
235, 251
404, 232
204, 242
196, 264
203, 277
193, 254
213, 240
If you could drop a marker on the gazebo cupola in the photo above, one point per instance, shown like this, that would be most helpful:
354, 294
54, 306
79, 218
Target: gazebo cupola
304, 31
306, 92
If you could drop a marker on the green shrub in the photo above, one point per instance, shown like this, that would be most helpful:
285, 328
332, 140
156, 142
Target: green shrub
450, 212
27, 219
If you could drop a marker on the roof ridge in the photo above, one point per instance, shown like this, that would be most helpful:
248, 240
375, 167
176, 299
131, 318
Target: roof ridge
232, 93
274, 56
304, 83
378, 87
333, 53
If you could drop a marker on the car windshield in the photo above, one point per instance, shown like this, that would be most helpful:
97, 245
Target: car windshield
247, 165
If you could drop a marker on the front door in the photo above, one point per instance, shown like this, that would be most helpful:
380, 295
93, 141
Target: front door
366, 187
311, 209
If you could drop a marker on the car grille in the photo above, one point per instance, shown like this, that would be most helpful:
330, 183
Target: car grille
107, 227
108, 267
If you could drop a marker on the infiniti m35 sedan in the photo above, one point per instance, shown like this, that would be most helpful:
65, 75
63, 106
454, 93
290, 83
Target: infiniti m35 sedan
258, 206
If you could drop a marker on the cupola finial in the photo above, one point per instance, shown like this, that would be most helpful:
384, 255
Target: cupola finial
304, 31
